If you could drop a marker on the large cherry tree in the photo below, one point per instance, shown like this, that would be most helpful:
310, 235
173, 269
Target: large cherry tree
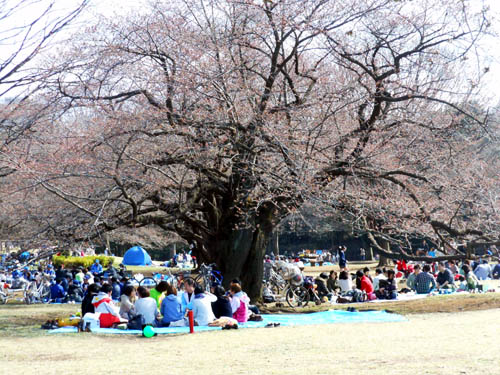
216, 119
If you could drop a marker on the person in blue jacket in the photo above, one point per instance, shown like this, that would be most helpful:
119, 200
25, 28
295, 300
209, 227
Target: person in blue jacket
171, 309
116, 292
49, 271
342, 258
96, 267
57, 293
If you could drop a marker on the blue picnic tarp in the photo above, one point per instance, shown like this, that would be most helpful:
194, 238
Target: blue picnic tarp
285, 320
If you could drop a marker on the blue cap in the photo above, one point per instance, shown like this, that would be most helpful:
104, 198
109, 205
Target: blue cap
97, 261
86, 277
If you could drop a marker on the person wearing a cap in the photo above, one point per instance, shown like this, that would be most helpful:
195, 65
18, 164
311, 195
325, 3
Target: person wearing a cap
96, 267
49, 271
87, 280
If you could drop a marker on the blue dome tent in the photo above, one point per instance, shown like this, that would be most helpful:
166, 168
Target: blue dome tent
136, 256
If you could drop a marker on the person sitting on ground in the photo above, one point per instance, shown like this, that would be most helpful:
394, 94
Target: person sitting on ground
496, 271
466, 262
90, 293
158, 292
239, 303
366, 271
187, 296
252, 309
97, 280
470, 278
171, 309
483, 270
202, 307
321, 288
49, 271
462, 287
221, 307
127, 300
146, 306
410, 282
445, 279
452, 266
363, 283
57, 292
401, 266
75, 292
425, 282
109, 313
332, 283
379, 275
115, 294
65, 282
345, 282
390, 288
96, 267
80, 275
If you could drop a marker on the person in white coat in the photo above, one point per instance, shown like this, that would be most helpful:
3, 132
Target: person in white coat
202, 307
147, 307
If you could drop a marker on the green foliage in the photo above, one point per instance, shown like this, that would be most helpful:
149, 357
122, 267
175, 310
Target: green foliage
73, 262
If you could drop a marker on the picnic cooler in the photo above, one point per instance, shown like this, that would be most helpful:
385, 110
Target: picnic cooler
91, 321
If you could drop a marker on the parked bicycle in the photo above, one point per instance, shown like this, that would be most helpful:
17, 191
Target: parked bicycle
38, 291
208, 276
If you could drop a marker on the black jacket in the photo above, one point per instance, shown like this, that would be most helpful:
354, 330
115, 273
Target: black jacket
222, 307
87, 306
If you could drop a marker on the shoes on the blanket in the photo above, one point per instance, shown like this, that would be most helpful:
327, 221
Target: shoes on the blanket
352, 309
255, 318
50, 324
230, 326
272, 325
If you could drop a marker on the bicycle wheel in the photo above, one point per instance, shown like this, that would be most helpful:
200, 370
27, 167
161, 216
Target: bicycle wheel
134, 282
297, 296
275, 288
148, 282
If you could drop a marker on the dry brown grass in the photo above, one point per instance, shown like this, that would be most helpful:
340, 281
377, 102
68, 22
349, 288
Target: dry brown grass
448, 343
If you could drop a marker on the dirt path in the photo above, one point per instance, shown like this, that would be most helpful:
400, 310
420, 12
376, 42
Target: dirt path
446, 343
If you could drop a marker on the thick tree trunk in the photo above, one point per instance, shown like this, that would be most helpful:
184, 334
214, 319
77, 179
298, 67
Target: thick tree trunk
239, 253
383, 260
276, 246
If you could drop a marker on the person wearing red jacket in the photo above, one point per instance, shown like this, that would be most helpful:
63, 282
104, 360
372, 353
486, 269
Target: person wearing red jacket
365, 284
103, 304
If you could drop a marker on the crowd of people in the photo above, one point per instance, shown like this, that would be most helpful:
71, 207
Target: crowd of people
421, 278
165, 306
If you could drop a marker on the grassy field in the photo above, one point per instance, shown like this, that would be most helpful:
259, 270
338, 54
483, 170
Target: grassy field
445, 343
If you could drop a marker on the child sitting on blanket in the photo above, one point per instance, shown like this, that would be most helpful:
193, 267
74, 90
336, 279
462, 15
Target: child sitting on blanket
463, 284
103, 304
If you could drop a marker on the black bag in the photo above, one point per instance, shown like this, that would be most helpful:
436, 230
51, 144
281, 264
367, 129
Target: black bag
137, 322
